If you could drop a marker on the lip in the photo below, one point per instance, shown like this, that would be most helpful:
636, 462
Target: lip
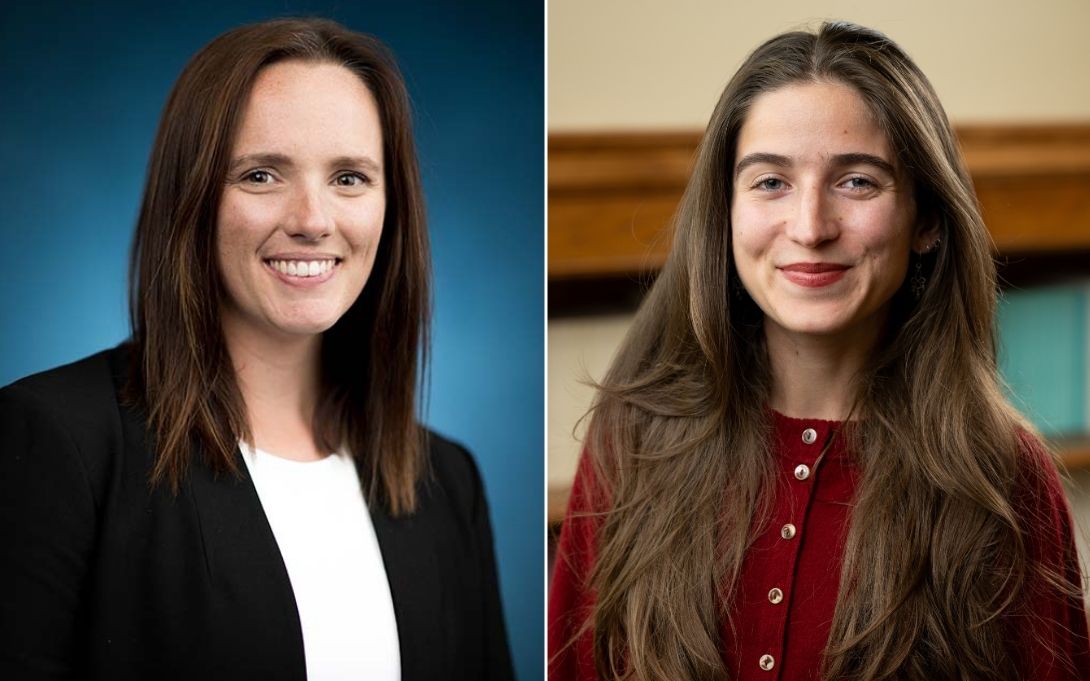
814, 274
302, 282
302, 255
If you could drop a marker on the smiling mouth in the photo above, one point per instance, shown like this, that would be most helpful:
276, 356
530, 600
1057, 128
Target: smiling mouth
303, 269
814, 274
814, 267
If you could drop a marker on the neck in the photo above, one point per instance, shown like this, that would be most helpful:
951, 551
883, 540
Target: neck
815, 376
279, 381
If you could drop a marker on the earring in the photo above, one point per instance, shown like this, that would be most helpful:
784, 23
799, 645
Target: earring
918, 281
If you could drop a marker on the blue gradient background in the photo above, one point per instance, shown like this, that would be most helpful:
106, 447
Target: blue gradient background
83, 88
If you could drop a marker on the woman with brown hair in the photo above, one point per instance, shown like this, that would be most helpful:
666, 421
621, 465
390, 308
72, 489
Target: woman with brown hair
801, 464
243, 490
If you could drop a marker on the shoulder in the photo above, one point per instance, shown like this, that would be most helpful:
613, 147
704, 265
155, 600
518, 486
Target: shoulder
449, 455
452, 473
1050, 625
68, 418
1039, 486
81, 398
588, 506
79, 390
1040, 500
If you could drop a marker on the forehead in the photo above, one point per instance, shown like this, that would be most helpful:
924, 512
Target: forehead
810, 121
308, 105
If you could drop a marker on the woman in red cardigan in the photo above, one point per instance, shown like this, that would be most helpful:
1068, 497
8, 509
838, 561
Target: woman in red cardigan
801, 464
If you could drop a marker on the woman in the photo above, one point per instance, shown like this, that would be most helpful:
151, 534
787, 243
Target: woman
243, 489
801, 464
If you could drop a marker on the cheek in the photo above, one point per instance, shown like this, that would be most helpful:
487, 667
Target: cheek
750, 235
885, 238
363, 226
373, 224
243, 223
884, 230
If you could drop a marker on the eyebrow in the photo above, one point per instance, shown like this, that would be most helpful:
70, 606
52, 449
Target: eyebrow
282, 160
838, 160
260, 160
361, 162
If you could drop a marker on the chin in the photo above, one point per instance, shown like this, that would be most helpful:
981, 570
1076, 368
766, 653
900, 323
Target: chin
304, 327
810, 327
306, 318
816, 320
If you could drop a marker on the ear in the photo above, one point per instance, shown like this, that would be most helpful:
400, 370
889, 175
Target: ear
926, 239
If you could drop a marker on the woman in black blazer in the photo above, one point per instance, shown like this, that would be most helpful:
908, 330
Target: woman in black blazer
279, 309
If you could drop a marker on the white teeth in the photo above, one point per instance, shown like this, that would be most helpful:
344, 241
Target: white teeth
302, 268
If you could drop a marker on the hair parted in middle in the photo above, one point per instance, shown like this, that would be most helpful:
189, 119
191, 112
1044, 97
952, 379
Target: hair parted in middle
679, 433
372, 358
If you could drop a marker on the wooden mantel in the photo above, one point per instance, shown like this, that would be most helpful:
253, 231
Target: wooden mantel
612, 195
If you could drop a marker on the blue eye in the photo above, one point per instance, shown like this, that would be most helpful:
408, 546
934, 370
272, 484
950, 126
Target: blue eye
859, 183
771, 184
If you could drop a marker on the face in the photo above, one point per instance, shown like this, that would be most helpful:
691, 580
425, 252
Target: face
822, 217
301, 213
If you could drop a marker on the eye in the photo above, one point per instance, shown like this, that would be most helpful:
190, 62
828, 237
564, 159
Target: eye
258, 177
770, 184
352, 179
858, 182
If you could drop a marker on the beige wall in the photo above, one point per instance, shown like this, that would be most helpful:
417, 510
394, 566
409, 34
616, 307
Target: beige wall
651, 64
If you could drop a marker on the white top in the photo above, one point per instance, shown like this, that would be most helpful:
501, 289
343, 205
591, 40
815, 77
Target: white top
320, 520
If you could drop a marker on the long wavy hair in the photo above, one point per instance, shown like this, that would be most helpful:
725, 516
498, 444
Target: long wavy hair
372, 358
680, 433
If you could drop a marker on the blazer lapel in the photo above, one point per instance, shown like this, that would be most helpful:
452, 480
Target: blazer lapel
247, 572
408, 553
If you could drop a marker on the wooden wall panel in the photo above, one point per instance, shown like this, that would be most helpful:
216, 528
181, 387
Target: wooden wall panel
609, 234
1037, 213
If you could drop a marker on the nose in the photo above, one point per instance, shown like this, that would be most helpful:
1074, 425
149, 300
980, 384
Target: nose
309, 217
813, 223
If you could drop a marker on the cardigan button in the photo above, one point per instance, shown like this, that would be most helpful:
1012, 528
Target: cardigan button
767, 662
775, 596
809, 436
802, 471
787, 531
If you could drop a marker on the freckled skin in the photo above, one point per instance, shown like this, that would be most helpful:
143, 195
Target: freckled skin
312, 115
817, 208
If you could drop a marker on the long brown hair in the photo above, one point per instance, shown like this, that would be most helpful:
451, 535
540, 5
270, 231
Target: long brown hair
371, 358
680, 434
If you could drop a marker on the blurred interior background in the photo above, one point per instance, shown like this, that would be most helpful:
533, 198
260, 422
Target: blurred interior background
632, 84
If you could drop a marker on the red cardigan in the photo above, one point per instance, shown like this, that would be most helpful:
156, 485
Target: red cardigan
790, 577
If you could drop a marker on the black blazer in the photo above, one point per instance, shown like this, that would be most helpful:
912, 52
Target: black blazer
105, 578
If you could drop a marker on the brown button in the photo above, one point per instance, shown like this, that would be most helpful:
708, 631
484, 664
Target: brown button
802, 471
775, 596
767, 662
809, 436
787, 531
